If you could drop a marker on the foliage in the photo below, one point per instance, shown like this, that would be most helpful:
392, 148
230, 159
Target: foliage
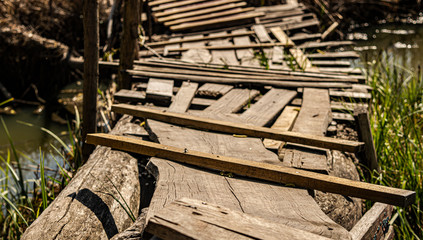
397, 122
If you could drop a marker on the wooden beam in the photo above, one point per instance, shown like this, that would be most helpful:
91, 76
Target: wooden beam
237, 128
194, 219
263, 171
374, 224
231, 47
184, 97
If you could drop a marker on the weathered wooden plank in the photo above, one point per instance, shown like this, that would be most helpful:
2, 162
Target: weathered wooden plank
194, 54
224, 53
160, 89
193, 7
125, 95
341, 70
237, 128
194, 219
268, 107
374, 224
325, 44
201, 12
331, 63
209, 16
261, 33
285, 122
245, 56
183, 98
204, 102
281, 36
314, 118
362, 120
233, 101
342, 116
223, 45
173, 43
214, 90
200, 38
346, 54
175, 4
158, 2
233, 19
357, 95
260, 170
278, 55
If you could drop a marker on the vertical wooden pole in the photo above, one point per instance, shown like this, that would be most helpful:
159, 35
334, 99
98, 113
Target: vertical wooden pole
129, 41
362, 120
91, 51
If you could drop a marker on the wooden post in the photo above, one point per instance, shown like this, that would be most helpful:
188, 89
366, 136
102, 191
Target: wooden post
361, 116
129, 41
91, 51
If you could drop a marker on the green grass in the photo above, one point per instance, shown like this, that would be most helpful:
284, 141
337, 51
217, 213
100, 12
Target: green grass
397, 122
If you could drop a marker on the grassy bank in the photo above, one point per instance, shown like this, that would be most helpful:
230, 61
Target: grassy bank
397, 121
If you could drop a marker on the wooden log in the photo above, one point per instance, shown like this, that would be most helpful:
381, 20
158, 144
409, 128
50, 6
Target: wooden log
201, 12
374, 224
91, 72
229, 127
184, 97
87, 202
194, 219
362, 120
264, 171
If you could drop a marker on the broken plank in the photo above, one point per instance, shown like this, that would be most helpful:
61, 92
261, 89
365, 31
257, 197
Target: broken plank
160, 89
245, 56
214, 90
233, 101
263, 171
125, 95
283, 123
237, 128
183, 98
270, 105
195, 219
374, 224
261, 33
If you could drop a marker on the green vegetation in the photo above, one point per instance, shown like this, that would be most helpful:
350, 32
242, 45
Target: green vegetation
21, 205
397, 120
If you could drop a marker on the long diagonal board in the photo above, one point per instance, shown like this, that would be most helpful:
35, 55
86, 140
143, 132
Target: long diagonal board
229, 127
264, 171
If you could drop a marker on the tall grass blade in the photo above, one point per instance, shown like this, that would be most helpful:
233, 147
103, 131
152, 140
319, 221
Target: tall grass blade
13, 207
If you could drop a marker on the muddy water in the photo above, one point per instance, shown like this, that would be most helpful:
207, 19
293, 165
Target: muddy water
399, 43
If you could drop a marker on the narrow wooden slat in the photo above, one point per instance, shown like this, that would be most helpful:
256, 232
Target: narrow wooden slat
346, 54
201, 12
129, 96
195, 54
233, 101
209, 16
268, 107
223, 51
236, 128
202, 38
183, 98
261, 33
194, 7
284, 123
158, 2
175, 4
219, 21
231, 47
374, 224
194, 219
173, 43
308, 45
264, 171
357, 95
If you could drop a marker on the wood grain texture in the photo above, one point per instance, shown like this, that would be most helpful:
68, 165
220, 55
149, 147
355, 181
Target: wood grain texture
233, 101
85, 209
160, 89
184, 97
237, 128
374, 224
284, 122
194, 54
256, 169
245, 56
194, 219
226, 57
193, 7
214, 90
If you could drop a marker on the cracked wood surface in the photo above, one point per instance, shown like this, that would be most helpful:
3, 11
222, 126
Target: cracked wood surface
85, 209
289, 206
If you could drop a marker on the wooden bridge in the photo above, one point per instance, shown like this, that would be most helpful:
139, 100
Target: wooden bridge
243, 119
